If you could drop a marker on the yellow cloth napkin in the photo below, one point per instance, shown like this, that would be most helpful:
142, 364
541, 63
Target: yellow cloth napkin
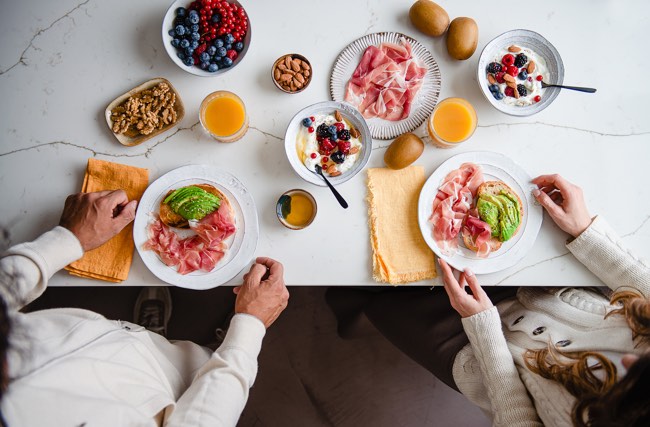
112, 260
400, 254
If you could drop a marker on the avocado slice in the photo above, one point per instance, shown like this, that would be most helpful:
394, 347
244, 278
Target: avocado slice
501, 213
192, 202
489, 213
509, 218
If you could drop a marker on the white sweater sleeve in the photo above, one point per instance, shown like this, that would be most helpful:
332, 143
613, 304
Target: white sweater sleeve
510, 402
26, 268
601, 250
219, 391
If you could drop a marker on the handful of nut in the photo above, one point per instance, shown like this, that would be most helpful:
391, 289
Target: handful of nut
292, 73
145, 111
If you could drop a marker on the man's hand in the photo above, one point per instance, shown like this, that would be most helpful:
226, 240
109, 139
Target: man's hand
564, 203
465, 304
263, 293
96, 217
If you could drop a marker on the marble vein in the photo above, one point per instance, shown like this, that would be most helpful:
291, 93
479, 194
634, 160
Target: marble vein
95, 153
566, 127
270, 135
22, 58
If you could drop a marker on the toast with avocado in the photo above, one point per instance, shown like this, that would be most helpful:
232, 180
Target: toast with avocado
502, 209
193, 202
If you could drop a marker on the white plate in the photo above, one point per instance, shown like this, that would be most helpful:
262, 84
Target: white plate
241, 246
496, 167
424, 101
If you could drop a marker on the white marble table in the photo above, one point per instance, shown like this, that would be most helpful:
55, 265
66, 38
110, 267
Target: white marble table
62, 62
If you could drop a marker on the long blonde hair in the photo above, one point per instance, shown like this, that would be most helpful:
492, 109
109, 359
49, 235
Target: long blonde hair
576, 371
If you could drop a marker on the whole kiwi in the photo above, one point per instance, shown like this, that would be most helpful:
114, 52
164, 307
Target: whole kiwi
429, 18
403, 151
462, 38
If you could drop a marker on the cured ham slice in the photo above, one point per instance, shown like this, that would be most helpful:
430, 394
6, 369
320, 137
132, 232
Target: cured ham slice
201, 251
452, 203
479, 233
386, 81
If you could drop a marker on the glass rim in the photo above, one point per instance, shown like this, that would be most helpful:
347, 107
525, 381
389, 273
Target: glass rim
432, 129
204, 106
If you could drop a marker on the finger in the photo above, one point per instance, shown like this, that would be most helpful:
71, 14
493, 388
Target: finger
127, 214
255, 274
116, 198
236, 290
97, 194
557, 197
276, 269
548, 204
449, 281
471, 280
545, 180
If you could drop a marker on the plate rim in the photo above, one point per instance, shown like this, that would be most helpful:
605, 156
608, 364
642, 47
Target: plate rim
248, 247
529, 234
393, 132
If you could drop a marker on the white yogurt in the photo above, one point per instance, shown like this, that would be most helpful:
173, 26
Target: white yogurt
306, 144
533, 86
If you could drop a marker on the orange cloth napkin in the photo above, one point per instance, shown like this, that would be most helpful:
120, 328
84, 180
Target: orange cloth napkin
112, 260
400, 254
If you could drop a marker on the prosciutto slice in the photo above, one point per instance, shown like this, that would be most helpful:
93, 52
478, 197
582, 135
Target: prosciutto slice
199, 252
479, 232
452, 203
386, 81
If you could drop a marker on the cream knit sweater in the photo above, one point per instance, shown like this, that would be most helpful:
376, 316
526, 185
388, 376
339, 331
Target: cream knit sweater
490, 370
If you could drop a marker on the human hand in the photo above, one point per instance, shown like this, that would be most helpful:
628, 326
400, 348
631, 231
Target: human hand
465, 304
263, 293
96, 217
564, 203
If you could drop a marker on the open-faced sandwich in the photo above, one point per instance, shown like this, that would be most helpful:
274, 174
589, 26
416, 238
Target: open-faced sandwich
207, 212
486, 214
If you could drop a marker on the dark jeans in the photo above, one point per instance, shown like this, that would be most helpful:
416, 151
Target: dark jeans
417, 320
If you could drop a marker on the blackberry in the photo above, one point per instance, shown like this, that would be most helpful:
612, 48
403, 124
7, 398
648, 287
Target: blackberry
344, 135
522, 90
521, 60
323, 131
494, 67
338, 157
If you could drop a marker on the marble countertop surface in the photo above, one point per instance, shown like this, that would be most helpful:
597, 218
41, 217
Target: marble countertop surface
62, 62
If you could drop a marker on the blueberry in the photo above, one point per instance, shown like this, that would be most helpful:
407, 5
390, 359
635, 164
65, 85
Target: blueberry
497, 95
332, 130
213, 68
181, 11
194, 44
229, 39
180, 30
306, 122
204, 65
217, 58
171, 32
195, 36
334, 138
175, 42
189, 61
494, 88
184, 43
216, 18
228, 46
211, 50
218, 43
222, 51
180, 55
189, 51
194, 28
239, 46
227, 62
204, 57
194, 18
523, 75
194, 12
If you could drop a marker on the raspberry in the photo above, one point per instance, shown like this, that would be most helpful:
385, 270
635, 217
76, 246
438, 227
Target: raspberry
499, 76
513, 71
508, 59
344, 146
509, 91
327, 145
339, 126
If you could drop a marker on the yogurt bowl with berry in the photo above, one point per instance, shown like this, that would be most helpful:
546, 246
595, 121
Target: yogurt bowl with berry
511, 70
331, 134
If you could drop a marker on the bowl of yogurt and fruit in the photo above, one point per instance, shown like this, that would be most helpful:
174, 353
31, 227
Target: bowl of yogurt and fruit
511, 70
331, 134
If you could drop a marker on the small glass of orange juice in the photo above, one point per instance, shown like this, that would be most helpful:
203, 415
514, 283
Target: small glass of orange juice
223, 116
452, 122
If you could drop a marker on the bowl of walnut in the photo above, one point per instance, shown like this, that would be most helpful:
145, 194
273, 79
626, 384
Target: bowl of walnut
145, 111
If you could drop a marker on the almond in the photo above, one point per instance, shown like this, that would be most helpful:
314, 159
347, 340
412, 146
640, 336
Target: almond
331, 169
300, 78
286, 77
295, 64
508, 78
287, 61
296, 82
354, 133
292, 87
277, 74
491, 79
282, 67
514, 48
306, 73
531, 67
516, 93
337, 173
512, 85
354, 150
338, 116
305, 66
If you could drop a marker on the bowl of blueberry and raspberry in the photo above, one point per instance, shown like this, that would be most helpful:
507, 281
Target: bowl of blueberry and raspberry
511, 70
206, 37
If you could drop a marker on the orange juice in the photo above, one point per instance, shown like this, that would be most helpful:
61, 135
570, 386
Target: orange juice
452, 121
223, 116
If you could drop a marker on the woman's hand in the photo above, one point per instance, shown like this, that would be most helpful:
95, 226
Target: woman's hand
564, 203
465, 304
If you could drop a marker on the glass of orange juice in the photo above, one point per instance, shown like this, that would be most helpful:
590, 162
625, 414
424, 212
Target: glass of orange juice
223, 116
452, 122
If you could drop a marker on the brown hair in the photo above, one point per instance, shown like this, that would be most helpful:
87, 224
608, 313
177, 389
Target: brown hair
595, 385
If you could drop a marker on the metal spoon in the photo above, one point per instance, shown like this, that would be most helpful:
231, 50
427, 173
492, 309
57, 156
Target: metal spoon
579, 89
344, 204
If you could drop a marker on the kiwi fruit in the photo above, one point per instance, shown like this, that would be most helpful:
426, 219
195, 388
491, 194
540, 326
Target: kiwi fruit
462, 38
403, 151
429, 18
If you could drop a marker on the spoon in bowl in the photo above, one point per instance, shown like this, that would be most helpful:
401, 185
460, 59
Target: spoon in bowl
579, 89
342, 202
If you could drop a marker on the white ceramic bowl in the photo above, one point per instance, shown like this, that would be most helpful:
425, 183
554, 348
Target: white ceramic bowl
539, 45
327, 107
167, 25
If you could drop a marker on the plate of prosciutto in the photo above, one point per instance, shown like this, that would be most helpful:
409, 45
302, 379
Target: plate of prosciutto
477, 210
196, 227
391, 79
